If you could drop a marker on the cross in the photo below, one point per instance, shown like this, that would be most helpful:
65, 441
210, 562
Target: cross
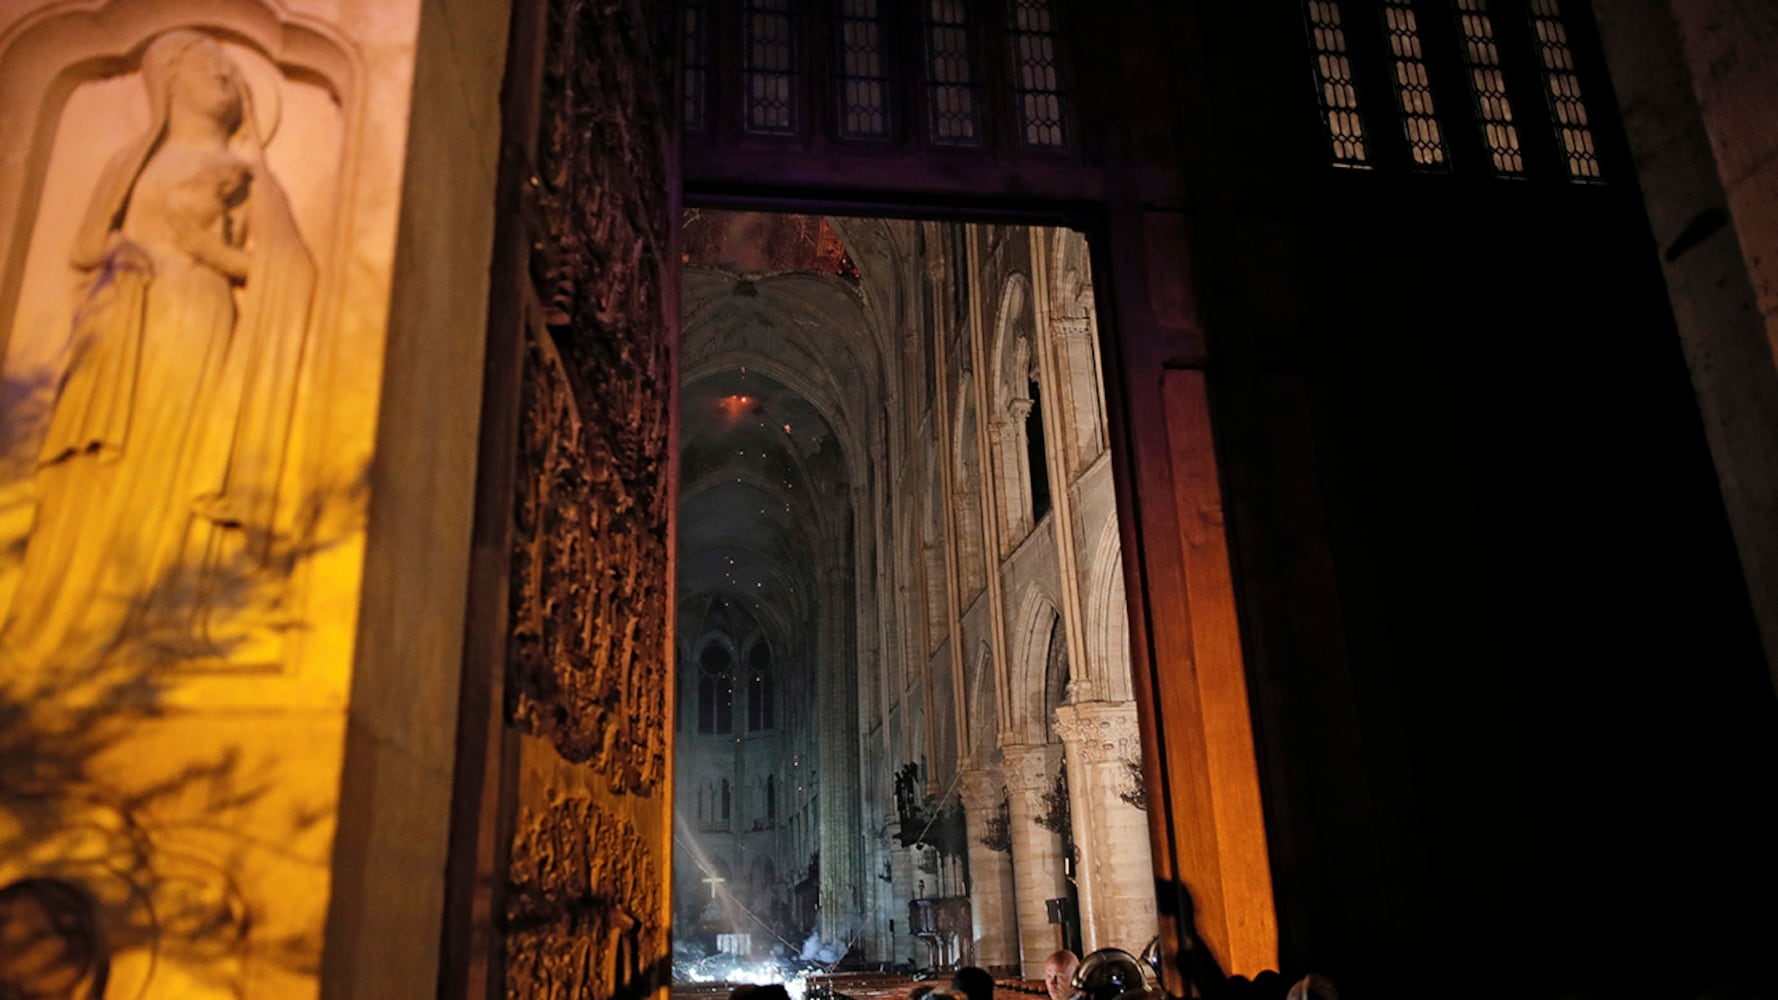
713, 881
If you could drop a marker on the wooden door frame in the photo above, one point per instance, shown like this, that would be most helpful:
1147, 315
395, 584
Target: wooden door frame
485, 780
1207, 828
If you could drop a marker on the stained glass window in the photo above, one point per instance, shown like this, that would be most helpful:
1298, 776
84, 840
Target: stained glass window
696, 39
1413, 86
1568, 112
953, 84
1333, 85
1487, 86
770, 66
863, 69
1037, 82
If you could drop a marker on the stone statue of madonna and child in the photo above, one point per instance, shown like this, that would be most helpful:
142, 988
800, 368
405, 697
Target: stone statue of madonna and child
157, 481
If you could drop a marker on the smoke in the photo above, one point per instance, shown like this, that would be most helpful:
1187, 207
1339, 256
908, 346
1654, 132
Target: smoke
731, 969
746, 241
827, 951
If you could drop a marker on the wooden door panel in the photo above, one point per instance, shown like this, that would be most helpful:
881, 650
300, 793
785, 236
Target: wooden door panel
562, 850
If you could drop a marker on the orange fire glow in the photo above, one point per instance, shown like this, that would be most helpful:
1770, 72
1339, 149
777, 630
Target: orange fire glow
734, 407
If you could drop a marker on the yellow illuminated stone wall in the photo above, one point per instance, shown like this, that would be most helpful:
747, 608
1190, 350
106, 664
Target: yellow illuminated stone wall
199, 206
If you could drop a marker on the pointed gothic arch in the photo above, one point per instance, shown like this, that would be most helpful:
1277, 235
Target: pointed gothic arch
983, 706
716, 663
1107, 619
966, 494
1016, 441
1039, 628
1071, 335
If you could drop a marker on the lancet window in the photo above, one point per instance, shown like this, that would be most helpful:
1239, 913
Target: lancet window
761, 691
1334, 86
716, 690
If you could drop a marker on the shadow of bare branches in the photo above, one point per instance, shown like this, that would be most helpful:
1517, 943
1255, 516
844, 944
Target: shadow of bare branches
69, 811
224, 601
169, 817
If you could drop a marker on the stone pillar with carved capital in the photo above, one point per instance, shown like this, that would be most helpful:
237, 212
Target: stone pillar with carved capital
993, 913
1116, 871
1036, 852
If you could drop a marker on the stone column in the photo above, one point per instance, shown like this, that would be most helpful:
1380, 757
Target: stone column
836, 695
902, 944
1116, 871
878, 907
1036, 852
993, 916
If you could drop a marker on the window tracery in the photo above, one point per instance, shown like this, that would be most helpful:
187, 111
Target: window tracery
953, 85
1487, 85
1037, 80
862, 69
1568, 112
1413, 86
771, 66
1335, 90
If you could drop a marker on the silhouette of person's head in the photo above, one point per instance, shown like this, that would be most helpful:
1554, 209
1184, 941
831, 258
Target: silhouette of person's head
973, 983
1313, 986
1270, 983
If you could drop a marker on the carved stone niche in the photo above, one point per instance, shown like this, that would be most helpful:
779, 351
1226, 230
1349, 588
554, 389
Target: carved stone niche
170, 216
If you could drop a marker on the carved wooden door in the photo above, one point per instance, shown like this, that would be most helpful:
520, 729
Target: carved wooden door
563, 818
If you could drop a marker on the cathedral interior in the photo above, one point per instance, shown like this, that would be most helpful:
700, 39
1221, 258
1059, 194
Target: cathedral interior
548, 498
864, 521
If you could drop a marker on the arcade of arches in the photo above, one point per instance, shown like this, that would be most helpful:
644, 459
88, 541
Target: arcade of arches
904, 693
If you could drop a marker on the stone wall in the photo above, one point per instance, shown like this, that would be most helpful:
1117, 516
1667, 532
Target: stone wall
201, 221
1692, 81
1045, 627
